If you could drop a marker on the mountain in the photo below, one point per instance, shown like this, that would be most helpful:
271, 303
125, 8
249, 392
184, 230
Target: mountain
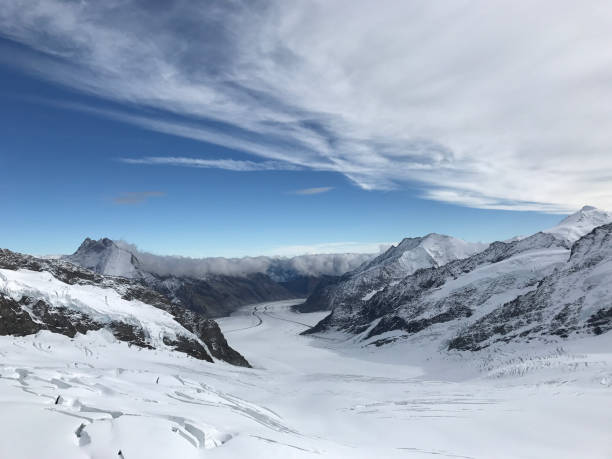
580, 223
215, 287
502, 293
59, 297
574, 299
397, 262
107, 258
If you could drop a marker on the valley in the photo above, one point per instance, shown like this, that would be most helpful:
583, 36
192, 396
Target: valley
304, 397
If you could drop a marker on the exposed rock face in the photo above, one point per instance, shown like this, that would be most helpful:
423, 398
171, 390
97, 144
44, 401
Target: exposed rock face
14, 320
189, 332
410, 255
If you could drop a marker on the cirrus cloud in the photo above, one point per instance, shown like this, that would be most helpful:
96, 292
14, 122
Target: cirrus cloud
315, 190
498, 105
227, 164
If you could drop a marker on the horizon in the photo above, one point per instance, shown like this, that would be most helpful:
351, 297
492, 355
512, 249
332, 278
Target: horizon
380, 249
294, 251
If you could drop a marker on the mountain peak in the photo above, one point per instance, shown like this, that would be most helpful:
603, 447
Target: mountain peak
582, 222
414, 253
104, 256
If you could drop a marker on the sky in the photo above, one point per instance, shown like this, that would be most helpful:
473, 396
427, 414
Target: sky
231, 128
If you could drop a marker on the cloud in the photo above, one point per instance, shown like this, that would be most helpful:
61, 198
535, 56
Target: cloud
318, 190
492, 105
332, 248
137, 197
227, 164
334, 264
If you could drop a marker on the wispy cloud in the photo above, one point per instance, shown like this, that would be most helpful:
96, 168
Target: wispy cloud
317, 190
332, 248
137, 197
227, 164
512, 116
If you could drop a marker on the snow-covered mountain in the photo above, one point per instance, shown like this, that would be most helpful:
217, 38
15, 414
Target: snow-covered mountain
580, 223
397, 262
521, 289
59, 297
574, 299
107, 258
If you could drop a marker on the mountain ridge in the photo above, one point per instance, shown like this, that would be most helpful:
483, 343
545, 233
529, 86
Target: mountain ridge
54, 295
462, 303
395, 263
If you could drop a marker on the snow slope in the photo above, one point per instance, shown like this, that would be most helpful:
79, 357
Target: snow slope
102, 305
56, 296
306, 397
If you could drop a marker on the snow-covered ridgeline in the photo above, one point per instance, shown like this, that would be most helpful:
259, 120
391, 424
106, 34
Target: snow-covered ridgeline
41, 294
464, 302
410, 255
101, 305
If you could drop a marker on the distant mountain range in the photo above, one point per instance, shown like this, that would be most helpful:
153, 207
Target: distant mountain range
215, 287
553, 284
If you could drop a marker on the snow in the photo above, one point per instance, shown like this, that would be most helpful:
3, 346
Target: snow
368, 296
103, 305
445, 248
422, 252
306, 397
580, 223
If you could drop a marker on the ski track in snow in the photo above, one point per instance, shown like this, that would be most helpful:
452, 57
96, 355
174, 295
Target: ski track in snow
305, 397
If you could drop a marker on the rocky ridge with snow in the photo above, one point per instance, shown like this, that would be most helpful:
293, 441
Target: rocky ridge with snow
54, 295
411, 254
575, 299
519, 290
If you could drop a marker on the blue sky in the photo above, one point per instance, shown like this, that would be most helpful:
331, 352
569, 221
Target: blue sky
170, 148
